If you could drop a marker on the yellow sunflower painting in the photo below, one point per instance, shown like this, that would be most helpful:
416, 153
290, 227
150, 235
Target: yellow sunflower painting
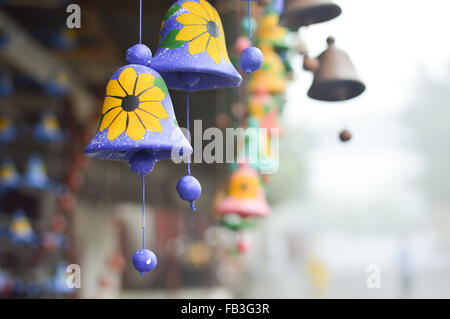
132, 105
203, 30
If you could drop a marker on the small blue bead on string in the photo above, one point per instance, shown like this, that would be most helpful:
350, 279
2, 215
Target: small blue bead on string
251, 58
188, 187
142, 162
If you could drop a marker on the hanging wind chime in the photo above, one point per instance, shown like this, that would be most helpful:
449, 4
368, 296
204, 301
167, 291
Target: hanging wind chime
138, 125
192, 56
335, 84
251, 58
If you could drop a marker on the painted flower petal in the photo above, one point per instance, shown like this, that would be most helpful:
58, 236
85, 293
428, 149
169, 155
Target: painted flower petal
209, 9
223, 49
199, 44
154, 94
190, 32
144, 82
191, 19
109, 103
114, 89
151, 123
109, 118
127, 79
155, 108
135, 129
213, 51
117, 126
197, 9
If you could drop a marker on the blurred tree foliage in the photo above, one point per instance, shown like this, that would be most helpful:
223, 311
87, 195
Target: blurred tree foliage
428, 116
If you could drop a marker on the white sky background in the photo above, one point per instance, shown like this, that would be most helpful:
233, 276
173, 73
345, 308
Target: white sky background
390, 42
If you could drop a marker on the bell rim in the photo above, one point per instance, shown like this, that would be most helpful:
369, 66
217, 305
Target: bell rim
293, 22
314, 93
236, 80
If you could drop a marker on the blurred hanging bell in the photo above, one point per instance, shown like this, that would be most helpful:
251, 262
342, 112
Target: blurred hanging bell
245, 195
138, 122
336, 78
301, 13
192, 53
36, 174
9, 177
48, 129
21, 230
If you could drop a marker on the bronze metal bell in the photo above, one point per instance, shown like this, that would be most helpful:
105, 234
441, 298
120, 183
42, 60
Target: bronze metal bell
301, 13
336, 78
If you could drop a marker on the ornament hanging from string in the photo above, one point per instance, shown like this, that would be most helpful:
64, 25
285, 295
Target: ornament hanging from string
252, 57
192, 56
138, 125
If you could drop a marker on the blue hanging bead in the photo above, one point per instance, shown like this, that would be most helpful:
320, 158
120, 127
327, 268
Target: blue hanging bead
139, 54
144, 261
189, 189
142, 163
251, 59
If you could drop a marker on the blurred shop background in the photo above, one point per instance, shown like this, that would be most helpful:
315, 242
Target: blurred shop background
344, 214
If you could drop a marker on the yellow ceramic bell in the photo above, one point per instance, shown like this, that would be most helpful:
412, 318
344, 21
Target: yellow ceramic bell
270, 32
271, 78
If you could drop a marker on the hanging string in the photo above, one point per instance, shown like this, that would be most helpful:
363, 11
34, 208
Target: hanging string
188, 131
140, 21
143, 211
249, 22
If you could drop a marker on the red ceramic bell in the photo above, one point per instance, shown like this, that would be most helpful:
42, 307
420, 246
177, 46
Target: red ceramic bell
245, 195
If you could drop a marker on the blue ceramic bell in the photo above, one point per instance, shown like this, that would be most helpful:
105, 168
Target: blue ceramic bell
138, 125
58, 84
20, 230
137, 115
192, 53
192, 56
48, 129
36, 174
8, 131
9, 177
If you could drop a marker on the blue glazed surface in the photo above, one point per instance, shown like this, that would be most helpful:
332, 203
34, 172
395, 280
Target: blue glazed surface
189, 188
144, 261
142, 163
139, 54
251, 59
170, 62
158, 144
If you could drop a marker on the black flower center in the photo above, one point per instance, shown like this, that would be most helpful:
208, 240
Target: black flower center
130, 103
213, 29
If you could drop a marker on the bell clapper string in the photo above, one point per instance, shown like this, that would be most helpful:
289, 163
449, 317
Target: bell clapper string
140, 21
250, 22
143, 211
189, 139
